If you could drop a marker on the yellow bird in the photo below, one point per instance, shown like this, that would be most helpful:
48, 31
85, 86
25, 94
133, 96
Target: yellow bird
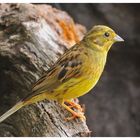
74, 74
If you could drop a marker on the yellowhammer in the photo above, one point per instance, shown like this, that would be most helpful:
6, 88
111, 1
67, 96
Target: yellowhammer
74, 74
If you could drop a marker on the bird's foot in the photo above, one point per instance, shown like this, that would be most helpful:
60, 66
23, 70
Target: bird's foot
74, 105
69, 107
76, 115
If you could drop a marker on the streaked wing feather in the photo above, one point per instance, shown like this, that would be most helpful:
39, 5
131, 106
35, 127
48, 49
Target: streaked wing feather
67, 67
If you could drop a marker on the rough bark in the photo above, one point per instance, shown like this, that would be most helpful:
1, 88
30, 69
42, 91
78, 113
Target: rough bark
32, 38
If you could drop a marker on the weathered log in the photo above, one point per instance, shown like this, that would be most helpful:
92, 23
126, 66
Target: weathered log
32, 38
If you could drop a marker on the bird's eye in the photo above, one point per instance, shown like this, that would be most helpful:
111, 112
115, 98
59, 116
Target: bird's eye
106, 34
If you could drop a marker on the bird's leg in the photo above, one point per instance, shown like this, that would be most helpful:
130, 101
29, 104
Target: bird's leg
74, 105
74, 114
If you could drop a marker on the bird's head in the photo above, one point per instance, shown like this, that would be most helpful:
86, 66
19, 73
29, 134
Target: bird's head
101, 38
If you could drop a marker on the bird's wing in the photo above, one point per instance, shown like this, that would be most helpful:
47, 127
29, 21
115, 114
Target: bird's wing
67, 67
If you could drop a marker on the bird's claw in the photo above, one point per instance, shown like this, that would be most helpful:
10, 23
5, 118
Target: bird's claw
75, 105
76, 115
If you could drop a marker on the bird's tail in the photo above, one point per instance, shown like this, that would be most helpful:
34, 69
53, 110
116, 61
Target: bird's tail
16, 107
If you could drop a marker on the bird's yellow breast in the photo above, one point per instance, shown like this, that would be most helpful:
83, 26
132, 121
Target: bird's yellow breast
91, 72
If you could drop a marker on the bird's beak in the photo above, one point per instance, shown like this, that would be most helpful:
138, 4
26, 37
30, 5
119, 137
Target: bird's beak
118, 38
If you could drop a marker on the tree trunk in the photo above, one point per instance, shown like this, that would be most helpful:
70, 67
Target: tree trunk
32, 38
